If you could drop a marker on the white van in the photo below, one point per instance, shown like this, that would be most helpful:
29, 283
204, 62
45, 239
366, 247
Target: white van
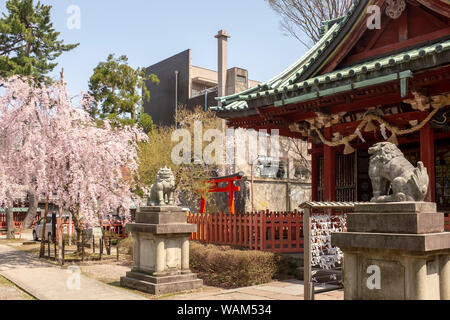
37, 229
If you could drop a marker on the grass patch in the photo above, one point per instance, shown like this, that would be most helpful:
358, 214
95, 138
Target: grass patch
8, 241
6, 283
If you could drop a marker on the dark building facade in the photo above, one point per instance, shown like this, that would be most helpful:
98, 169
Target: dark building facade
193, 86
162, 96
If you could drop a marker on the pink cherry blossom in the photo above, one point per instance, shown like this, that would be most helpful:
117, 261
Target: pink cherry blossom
57, 149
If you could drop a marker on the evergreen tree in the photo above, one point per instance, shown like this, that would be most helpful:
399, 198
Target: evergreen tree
120, 92
28, 43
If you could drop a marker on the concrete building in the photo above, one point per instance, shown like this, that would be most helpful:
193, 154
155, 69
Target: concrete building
181, 83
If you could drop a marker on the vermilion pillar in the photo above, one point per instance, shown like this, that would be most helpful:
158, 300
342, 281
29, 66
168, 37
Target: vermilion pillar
314, 175
329, 162
427, 157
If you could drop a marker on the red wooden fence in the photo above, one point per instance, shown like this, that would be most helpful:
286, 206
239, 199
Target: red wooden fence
115, 227
266, 231
18, 222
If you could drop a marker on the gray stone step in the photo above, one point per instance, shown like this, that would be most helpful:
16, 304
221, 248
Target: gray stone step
161, 288
160, 280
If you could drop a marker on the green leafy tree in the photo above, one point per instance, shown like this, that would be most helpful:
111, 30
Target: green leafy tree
29, 46
189, 178
120, 91
28, 43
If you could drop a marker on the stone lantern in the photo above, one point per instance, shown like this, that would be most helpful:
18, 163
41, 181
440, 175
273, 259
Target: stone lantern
161, 245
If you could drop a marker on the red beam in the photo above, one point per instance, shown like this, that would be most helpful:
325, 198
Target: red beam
399, 45
394, 119
314, 176
403, 26
329, 169
225, 189
437, 6
220, 180
442, 135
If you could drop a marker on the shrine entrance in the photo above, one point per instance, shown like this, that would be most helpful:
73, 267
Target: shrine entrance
223, 184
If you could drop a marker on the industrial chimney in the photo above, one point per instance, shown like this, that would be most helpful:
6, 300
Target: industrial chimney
222, 37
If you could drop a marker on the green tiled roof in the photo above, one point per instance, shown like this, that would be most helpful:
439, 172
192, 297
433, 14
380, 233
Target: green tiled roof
286, 77
294, 78
296, 70
350, 72
326, 25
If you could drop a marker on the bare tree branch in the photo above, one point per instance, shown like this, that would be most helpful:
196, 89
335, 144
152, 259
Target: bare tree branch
303, 18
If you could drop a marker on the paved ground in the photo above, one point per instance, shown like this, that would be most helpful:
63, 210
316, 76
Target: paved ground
277, 290
9, 291
46, 281
26, 235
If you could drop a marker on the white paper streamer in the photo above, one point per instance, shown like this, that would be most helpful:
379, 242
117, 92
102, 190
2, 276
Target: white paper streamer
323, 253
360, 135
383, 131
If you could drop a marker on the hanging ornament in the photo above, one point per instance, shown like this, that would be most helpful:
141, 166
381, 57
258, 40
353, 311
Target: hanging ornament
383, 131
395, 8
393, 139
359, 134
370, 127
348, 148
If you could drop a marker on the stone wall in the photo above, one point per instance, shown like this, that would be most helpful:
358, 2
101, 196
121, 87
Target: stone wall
270, 194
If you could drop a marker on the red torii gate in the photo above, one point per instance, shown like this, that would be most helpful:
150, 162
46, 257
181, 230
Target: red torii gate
230, 188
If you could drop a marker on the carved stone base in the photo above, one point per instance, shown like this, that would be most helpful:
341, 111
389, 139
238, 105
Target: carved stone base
161, 251
162, 284
402, 217
395, 251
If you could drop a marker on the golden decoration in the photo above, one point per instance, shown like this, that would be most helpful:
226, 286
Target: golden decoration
438, 102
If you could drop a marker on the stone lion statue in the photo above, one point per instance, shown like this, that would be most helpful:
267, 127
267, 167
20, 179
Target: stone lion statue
388, 169
162, 190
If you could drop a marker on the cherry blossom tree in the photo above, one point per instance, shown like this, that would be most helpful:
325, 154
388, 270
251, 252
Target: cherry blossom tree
59, 150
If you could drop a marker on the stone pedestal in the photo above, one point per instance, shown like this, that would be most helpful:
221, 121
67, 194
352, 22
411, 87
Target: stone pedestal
395, 251
161, 252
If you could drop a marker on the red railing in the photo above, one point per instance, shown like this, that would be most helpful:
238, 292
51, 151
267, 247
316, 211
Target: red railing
18, 223
115, 227
266, 231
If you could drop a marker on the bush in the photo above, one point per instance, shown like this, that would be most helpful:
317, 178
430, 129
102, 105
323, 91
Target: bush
231, 268
126, 245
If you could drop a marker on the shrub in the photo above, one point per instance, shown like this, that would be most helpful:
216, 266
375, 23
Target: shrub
231, 268
126, 245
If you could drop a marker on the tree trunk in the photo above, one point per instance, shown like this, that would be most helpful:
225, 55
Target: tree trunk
32, 210
78, 229
103, 231
10, 233
42, 250
70, 228
61, 237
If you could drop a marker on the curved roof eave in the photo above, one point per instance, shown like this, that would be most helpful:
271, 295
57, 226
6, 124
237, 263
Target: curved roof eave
307, 64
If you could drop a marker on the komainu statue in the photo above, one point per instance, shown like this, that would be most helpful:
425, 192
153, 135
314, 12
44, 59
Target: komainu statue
162, 190
388, 169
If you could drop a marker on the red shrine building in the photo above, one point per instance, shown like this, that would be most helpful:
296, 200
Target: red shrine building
363, 82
